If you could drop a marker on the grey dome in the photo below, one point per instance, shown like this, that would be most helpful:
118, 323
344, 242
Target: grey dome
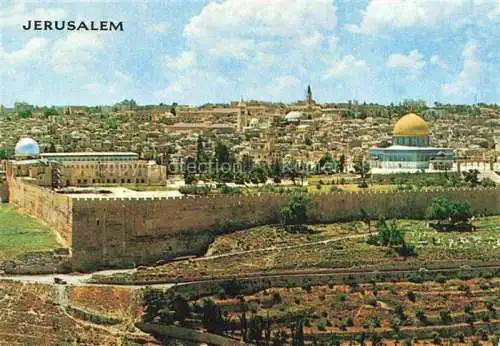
27, 147
294, 116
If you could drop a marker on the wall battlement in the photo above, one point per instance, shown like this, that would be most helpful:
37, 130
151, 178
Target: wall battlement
257, 195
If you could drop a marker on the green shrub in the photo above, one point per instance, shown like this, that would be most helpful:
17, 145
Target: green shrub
441, 278
321, 325
468, 308
411, 296
342, 297
194, 189
445, 316
436, 338
277, 297
416, 278
349, 321
307, 286
366, 324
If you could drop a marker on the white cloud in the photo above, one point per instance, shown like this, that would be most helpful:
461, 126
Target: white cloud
193, 86
31, 50
466, 83
184, 61
382, 15
250, 25
117, 85
436, 60
76, 52
282, 87
265, 43
347, 66
160, 27
18, 14
411, 63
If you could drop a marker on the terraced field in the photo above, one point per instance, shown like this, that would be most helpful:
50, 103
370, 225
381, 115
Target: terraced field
461, 312
35, 314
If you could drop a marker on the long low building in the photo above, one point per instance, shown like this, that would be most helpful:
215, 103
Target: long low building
91, 156
82, 168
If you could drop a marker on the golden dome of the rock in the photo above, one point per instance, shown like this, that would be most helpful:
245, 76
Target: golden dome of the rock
411, 125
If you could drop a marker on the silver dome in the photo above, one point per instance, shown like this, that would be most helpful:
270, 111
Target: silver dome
27, 147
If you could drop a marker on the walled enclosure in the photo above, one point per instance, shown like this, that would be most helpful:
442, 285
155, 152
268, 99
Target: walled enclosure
121, 232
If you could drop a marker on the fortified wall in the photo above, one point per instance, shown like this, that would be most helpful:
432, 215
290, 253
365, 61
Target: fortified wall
52, 208
120, 232
117, 232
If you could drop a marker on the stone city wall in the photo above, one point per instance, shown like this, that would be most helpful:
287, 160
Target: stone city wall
118, 232
44, 204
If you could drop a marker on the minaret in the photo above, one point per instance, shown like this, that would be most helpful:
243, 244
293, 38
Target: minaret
242, 116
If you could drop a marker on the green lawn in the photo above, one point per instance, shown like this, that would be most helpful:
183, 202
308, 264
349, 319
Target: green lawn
20, 233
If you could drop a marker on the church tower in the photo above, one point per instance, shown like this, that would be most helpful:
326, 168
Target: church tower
309, 99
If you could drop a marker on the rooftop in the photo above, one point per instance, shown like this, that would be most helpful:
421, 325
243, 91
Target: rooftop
89, 153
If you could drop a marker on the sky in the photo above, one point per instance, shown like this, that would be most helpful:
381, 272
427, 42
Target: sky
196, 51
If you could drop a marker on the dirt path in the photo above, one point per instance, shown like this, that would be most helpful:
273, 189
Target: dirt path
274, 248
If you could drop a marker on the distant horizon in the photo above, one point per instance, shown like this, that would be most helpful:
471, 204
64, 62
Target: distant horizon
139, 104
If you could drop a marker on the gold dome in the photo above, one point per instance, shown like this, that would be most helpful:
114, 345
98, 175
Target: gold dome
411, 125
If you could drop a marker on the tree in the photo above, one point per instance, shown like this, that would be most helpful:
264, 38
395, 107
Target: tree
24, 114
181, 308
255, 328
47, 112
112, 123
294, 169
326, 164
276, 171
362, 168
407, 250
388, 234
212, 318
23, 109
189, 170
472, 177
438, 210
247, 163
295, 212
445, 316
421, 316
52, 148
442, 208
341, 163
298, 334
4, 154
366, 219
201, 157
222, 154
258, 175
